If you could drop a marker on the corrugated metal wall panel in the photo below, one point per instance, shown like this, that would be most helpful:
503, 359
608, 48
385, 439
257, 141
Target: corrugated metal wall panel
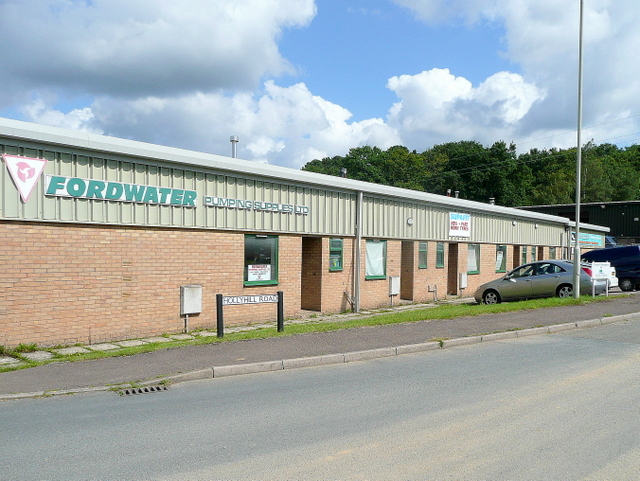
331, 212
501, 230
387, 218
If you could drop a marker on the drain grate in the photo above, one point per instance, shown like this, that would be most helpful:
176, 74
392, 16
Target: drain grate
142, 390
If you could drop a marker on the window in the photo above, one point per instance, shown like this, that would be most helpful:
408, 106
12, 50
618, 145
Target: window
440, 254
376, 261
260, 259
335, 254
537, 269
533, 253
473, 259
422, 255
547, 268
552, 252
524, 271
524, 255
501, 258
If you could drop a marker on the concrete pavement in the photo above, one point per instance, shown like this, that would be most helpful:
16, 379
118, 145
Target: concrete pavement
241, 357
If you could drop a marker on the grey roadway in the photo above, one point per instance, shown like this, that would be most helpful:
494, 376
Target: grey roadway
545, 408
238, 357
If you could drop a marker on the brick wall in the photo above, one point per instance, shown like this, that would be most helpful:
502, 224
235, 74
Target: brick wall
488, 267
375, 292
62, 284
336, 283
543, 253
515, 258
431, 276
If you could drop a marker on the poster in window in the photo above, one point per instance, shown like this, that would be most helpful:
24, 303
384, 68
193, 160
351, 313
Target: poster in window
375, 259
499, 258
472, 261
259, 272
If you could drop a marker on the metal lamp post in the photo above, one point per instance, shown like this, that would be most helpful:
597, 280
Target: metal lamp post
576, 250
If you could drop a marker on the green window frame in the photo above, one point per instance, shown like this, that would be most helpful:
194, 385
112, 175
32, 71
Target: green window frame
260, 260
422, 255
501, 258
440, 255
473, 259
335, 254
552, 252
533, 254
376, 259
524, 255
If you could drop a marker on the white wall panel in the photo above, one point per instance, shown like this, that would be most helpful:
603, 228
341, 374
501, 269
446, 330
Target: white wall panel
331, 201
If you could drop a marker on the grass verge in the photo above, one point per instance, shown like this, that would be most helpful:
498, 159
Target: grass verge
443, 311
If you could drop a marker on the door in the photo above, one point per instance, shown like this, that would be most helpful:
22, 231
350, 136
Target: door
518, 283
546, 280
516, 257
452, 270
311, 274
407, 262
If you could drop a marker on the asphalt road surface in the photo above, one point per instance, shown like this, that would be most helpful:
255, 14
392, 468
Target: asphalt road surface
549, 407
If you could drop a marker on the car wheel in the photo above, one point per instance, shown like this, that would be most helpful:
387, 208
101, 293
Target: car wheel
565, 291
491, 297
626, 284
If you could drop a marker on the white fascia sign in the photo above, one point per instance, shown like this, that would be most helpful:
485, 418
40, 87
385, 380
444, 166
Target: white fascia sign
60, 186
459, 224
588, 241
241, 204
25, 173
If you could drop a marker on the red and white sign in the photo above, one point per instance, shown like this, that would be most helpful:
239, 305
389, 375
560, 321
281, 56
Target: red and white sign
25, 172
259, 272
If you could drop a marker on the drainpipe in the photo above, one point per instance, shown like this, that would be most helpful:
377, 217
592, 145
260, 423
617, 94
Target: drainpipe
358, 254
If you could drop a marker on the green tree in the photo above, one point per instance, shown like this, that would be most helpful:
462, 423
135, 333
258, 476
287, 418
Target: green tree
621, 179
479, 173
553, 174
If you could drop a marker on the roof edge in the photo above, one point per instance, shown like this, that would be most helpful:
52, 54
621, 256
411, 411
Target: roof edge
97, 142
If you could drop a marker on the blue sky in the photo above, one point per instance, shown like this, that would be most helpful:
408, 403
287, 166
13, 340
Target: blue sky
298, 80
358, 45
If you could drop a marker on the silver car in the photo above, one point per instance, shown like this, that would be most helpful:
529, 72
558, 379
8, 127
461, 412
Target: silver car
537, 279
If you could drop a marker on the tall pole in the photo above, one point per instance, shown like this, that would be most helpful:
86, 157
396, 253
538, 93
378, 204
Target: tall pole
576, 251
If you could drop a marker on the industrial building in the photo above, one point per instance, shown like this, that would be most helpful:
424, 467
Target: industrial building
622, 217
105, 239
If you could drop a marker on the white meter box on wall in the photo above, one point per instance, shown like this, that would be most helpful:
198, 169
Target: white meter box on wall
190, 300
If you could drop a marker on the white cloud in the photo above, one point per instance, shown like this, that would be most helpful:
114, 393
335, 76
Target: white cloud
191, 73
285, 126
431, 89
508, 95
438, 11
133, 48
441, 106
76, 119
542, 39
